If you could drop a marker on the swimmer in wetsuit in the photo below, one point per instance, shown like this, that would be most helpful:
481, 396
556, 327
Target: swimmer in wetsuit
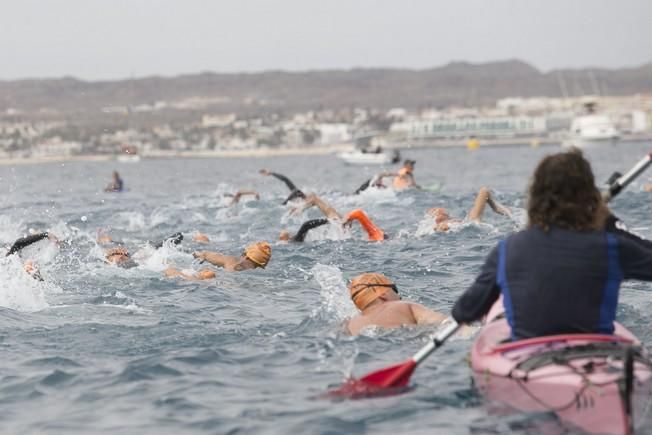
295, 193
443, 220
300, 236
30, 267
375, 181
373, 232
116, 185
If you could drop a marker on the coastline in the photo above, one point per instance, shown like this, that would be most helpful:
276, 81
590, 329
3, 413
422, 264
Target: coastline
296, 151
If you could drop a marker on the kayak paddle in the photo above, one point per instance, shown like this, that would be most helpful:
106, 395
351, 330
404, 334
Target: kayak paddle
395, 378
623, 180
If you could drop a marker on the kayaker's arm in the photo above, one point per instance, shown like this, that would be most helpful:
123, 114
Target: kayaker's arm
635, 259
478, 299
614, 225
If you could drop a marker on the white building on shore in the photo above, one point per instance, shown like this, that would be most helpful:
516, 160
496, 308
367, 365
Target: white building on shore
487, 127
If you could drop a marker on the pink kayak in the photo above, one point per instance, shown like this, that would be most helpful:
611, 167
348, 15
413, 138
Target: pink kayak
598, 383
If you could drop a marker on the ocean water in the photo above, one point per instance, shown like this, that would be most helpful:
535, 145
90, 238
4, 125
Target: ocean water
99, 349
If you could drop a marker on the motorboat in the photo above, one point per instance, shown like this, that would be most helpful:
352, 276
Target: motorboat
365, 157
591, 129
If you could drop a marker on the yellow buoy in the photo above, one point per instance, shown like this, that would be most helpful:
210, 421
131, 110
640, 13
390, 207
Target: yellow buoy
472, 143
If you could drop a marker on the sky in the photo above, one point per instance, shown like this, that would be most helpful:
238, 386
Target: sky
116, 39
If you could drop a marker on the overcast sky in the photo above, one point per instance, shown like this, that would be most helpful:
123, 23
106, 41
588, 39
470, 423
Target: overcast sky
112, 39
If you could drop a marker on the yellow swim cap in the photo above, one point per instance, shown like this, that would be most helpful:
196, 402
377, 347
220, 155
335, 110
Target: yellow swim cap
363, 291
259, 253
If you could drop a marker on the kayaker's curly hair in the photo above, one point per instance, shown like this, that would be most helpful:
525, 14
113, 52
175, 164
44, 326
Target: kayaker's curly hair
563, 194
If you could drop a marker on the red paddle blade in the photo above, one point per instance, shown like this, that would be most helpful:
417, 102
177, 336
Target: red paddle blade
384, 382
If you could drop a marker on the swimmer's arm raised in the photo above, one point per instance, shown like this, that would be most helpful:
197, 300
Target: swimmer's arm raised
24, 242
281, 177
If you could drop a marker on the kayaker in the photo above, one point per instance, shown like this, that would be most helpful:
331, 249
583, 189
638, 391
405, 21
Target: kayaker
254, 256
443, 220
374, 233
377, 298
561, 274
295, 193
116, 185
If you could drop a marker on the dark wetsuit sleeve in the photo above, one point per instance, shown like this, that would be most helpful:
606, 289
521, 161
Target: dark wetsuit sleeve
175, 238
286, 180
23, 242
307, 226
478, 299
616, 226
635, 259
363, 187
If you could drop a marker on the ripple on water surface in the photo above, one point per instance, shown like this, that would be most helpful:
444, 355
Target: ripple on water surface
98, 349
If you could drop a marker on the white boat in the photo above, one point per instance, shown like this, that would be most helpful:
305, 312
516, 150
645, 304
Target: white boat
128, 154
591, 129
358, 157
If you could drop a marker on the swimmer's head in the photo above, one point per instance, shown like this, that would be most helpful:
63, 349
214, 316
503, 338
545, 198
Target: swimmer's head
200, 238
259, 253
205, 274
440, 214
117, 255
284, 236
368, 287
32, 270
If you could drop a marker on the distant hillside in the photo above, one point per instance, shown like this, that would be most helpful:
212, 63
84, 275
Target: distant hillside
458, 83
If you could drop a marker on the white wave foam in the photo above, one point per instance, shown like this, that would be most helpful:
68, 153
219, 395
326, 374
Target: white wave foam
18, 290
335, 301
9, 230
130, 220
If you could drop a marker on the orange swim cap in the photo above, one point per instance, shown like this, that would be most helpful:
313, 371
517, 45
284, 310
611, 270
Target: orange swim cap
373, 232
259, 253
363, 291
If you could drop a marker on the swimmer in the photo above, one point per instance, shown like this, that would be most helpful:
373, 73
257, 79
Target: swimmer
648, 187
404, 179
379, 303
295, 193
200, 238
240, 193
119, 257
200, 275
300, 236
254, 256
375, 181
29, 265
443, 220
373, 232
116, 185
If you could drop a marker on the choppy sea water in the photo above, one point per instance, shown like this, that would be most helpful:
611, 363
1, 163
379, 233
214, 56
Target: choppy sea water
99, 349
